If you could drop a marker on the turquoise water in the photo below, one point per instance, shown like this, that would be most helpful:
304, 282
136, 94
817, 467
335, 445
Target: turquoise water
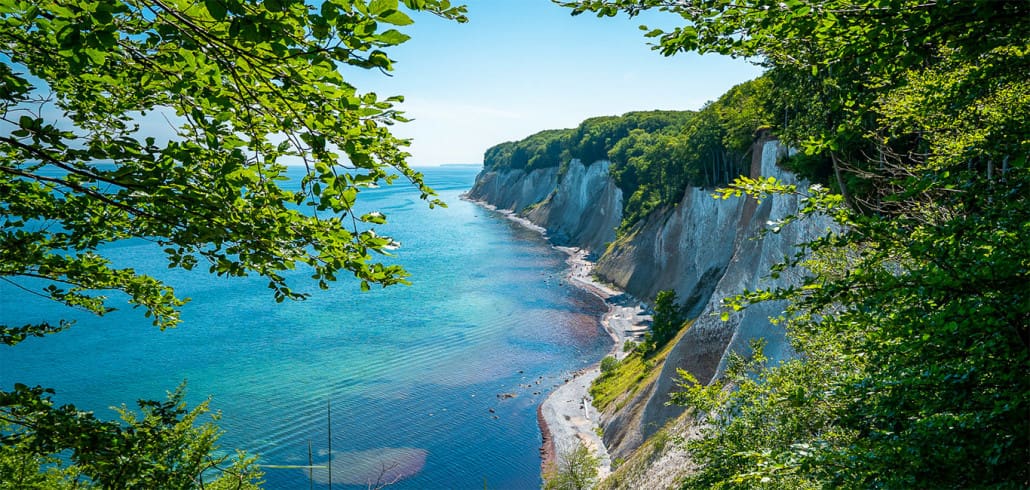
412, 373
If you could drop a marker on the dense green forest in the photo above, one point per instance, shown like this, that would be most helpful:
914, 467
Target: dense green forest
912, 325
654, 155
588, 142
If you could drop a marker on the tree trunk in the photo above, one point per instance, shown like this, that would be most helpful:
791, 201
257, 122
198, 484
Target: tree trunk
840, 180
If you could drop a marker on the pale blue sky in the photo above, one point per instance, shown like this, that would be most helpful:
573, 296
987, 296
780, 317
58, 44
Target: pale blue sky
521, 66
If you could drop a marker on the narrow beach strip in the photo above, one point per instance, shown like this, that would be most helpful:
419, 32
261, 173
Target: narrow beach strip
567, 417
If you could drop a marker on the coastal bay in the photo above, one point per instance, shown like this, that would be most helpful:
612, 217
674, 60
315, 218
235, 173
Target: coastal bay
412, 374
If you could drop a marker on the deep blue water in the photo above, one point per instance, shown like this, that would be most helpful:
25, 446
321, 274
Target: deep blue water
411, 372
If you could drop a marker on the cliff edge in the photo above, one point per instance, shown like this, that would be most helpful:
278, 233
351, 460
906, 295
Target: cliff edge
704, 248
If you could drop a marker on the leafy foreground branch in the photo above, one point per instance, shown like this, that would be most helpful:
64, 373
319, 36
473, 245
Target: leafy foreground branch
227, 92
913, 326
166, 446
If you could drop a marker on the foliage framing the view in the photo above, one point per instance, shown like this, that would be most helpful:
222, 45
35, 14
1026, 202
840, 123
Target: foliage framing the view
168, 445
912, 327
243, 87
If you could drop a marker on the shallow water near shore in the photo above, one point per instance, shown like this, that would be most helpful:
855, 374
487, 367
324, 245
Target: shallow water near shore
412, 374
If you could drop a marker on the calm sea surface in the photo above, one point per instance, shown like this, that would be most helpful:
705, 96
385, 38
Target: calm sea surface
412, 374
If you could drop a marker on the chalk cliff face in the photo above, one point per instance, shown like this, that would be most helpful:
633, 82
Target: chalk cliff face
722, 253
704, 248
516, 189
685, 248
582, 208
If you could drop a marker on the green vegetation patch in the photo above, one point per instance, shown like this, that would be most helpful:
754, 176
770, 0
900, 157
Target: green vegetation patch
589, 142
621, 380
653, 168
655, 155
541, 150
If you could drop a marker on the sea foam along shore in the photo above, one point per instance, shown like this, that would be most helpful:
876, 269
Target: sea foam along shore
567, 416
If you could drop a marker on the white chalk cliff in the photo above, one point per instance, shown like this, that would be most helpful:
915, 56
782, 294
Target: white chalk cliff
704, 248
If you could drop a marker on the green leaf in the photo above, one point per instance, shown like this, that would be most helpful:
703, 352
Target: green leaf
216, 8
378, 7
393, 37
397, 18
379, 58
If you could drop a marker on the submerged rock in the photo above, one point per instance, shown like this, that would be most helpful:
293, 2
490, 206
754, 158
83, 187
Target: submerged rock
373, 467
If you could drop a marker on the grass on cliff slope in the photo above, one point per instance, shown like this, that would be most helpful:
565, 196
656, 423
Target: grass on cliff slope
660, 462
619, 385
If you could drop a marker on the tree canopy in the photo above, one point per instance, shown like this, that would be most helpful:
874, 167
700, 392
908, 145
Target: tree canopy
589, 142
913, 324
251, 86
243, 88
709, 149
655, 155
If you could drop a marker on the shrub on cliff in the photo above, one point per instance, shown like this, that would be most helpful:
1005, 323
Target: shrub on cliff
576, 469
608, 365
668, 318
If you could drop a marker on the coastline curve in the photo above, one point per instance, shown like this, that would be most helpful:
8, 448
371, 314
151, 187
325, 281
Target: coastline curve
567, 416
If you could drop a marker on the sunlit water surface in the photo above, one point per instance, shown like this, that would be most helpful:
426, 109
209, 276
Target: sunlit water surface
412, 374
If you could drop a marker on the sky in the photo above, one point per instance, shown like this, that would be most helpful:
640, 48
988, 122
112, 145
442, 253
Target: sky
519, 67
522, 66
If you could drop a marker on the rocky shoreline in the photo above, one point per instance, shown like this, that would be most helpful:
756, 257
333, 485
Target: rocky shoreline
567, 417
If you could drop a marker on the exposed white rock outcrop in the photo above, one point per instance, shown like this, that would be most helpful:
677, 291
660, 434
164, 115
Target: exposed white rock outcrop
706, 347
684, 248
584, 210
582, 206
514, 190
704, 248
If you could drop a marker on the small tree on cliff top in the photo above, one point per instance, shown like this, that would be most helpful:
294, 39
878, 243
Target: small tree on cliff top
668, 318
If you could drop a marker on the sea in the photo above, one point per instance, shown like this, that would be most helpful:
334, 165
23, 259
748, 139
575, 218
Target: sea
432, 385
